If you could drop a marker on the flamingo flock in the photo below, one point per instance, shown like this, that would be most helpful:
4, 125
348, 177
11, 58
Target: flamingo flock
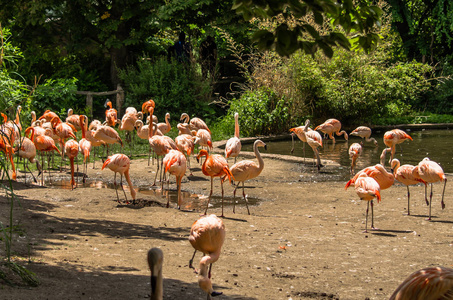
207, 234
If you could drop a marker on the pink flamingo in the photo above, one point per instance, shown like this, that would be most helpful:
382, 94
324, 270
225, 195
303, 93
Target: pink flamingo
108, 135
379, 173
431, 172
111, 114
431, 283
207, 235
214, 166
85, 146
330, 127
186, 145
72, 119
233, 145
407, 175
71, 149
27, 150
311, 137
120, 163
44, 143
355, 150
165, 127
175, 163
195, 123
161, 145
367, 189
365, 133
247, 169
391, 139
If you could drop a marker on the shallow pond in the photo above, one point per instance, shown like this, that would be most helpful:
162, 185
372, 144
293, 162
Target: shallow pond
435, 144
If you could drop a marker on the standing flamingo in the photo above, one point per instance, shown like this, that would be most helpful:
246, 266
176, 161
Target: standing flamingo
300, 132
367, 189
165, 127
379, 173
247, 169
214, 166
161, 145
45, 143
175, 163
355, 150
186, 145
431, 172
111, 114
183, 128
84, 145
330, 127
233, 145
120, 163
195, 123
71, 149
391, 139
128, 124
108, 135
431, 283
155, 263
407, 175
365, 133
148, 107
6, 148
27, 150
73, 119
48, 116
207, 235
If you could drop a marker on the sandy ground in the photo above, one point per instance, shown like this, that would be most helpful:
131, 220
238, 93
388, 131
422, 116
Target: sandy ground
303, 239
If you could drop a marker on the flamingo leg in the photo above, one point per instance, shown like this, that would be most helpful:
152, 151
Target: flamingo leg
210, 194
191, 262
430, 201
168, 189
94, 156
122, 187
116, 189
366, 218
157, 171
372, 216
408, 202
48, 169
245, 198
179, 179
426, 197
34, 178
42, 172
292, 143
221, 184
234, 198
443, 192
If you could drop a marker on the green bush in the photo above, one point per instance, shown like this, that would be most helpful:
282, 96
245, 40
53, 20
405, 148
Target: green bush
174, 88
261, 112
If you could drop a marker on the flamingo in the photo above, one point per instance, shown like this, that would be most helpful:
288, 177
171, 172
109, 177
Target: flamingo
365, 133
431, 172
391, 139
184, 128
85, 146
27, 150
165, 127
233, 145
120, 163
73, 119
148, 107
108, 135
214, 166
161, 145
247, 169
175, 163
379, 173
195, 123
203, 138
6, 148
63, 131
407, 175
207, 235
71, 149
330, 127
300, 132
45, 143
155, 263
48, 116
367, 188
355, 150
128, 123
111, 114
431, 283
186, 145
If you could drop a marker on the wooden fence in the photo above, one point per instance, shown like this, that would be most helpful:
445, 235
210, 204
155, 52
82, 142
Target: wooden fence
119, 92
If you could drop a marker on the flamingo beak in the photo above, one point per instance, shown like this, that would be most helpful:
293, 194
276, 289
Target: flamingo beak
214, 293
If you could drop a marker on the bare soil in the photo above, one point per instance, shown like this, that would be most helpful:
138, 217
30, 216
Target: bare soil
303, 240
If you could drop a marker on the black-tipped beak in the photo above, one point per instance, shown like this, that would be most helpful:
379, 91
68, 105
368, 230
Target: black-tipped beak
265, 147
214, 294
198, 160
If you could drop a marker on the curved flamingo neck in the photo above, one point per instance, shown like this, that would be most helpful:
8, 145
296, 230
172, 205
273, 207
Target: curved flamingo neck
258, 156
129, 182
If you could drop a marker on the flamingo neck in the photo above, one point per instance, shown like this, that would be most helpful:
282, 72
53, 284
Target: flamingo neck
258, 156
236, 126
129, 182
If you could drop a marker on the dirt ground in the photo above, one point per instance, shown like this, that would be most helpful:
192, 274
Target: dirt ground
303, 240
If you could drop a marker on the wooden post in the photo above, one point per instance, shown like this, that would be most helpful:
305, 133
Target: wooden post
90, 105
119, 99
